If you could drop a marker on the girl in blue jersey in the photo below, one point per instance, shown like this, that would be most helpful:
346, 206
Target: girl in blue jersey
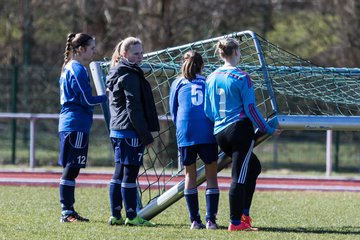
195, 137
133, 118
230, 104
76, 116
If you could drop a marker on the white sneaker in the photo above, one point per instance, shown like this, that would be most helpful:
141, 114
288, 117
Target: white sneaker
211, 225
196, 225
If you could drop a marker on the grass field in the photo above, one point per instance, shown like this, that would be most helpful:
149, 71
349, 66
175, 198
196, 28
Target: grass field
33, 213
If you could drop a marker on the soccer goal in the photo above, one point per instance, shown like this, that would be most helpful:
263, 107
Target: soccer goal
290, 92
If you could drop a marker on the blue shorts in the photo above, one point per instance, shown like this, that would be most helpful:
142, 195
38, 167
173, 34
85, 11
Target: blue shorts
128, 151
207, 152
73, 149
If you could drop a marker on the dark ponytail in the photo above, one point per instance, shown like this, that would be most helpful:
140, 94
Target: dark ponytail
193, 63
73, 42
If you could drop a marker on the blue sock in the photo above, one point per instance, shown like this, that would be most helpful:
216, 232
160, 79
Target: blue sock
212, 203
67, 195
246, 211
115, 198
129, 194
192, 201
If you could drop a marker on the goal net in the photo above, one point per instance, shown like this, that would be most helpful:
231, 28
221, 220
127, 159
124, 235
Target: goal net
290, 92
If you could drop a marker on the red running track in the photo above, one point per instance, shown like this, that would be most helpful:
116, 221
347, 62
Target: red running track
284, 183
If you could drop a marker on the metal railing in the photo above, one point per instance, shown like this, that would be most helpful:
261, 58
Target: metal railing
33, 117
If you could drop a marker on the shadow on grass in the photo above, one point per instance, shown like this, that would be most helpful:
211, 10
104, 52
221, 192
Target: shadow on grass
184, 226
345, 230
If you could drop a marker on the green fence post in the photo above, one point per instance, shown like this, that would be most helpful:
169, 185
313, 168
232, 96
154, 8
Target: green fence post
14, 110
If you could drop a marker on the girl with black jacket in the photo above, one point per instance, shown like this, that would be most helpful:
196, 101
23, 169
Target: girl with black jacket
133, 118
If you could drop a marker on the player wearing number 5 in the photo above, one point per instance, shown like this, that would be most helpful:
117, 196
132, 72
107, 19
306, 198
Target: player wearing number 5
133, 118
195, 137
230, 104
75, 118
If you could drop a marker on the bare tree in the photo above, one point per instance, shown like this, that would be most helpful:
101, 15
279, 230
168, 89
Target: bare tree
349, 12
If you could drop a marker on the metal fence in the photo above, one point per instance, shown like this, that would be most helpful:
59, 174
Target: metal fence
35, 143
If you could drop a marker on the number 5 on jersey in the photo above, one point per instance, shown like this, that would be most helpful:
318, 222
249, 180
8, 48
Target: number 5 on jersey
197, 95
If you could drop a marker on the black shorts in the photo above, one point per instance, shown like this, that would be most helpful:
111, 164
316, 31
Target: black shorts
128, 151
207, 152
73, 149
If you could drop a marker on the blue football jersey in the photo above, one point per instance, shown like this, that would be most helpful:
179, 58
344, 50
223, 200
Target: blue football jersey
187, 111
77, 102
230, 97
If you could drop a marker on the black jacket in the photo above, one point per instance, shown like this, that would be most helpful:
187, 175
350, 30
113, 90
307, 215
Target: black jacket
131, 101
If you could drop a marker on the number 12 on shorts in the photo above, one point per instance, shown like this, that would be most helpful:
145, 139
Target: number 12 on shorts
81, 159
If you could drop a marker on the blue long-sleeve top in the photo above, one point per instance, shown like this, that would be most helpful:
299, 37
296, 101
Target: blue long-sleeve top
77, 102
186, 103
230, 97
